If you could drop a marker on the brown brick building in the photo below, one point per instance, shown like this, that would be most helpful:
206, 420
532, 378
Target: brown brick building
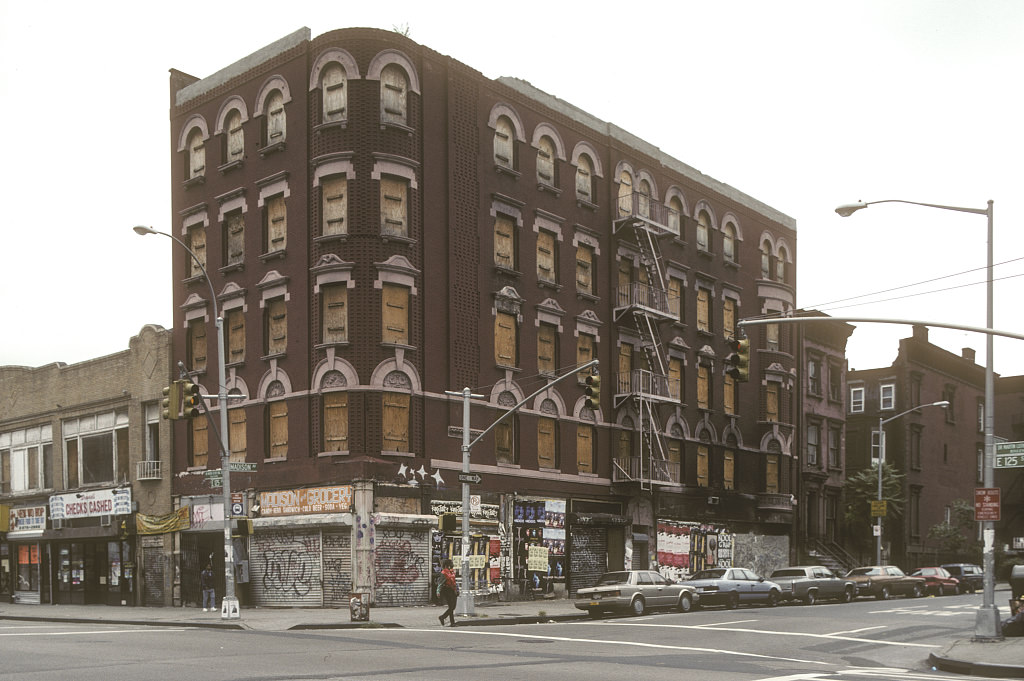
383, 224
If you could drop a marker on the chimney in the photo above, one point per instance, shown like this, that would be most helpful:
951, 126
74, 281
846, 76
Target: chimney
921, 333
968, 354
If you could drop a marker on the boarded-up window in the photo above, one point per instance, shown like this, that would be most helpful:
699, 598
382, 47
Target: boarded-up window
234, 237
504, 241
276, 227
771, 473
395, 314
196, 151
703, 229
546, 348
625, 448
771, 332
729, 318
729, 394
584, 353
237, 439
584, 179
275, 118
675, 451
504, 446
729, 469
334, 204
703, 386
584, 448
547, 452
234, 323
332, 81
625, 194
394, 206
546, 258
393, 89
729, 242
702, 465
197, 345
625, 386
584, 269
675, 297
675, 378
396, 422
703, 310
334, 313
197, 244
766, 260
771, 401
335, 421
624, 285
644, 199
780, 265
505, 345
235, 141
675, 215
277, 326
277, 415
504, 141
200, 443
546, 161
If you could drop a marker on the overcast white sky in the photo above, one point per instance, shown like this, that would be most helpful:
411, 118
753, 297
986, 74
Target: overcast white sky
802, 105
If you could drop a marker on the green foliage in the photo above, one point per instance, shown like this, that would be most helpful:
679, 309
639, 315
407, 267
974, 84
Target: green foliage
861, 489
402, 29
956, 538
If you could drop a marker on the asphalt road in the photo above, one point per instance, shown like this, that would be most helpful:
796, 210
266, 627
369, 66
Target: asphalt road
862, 640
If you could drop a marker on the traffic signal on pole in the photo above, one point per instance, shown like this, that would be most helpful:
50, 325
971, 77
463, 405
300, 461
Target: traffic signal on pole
172, 401
593, 391
190, 400
739, 359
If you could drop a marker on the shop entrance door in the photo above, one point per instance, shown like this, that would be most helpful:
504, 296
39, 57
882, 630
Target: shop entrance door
96, 573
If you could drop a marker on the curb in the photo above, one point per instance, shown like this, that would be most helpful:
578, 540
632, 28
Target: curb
995, 671
144, 623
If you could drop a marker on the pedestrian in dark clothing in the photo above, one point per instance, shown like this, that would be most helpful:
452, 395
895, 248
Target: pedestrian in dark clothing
448, 592
206, 584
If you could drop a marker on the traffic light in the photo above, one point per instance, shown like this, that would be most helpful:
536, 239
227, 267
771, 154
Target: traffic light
739, 359
593, 391
172, 401
191, 399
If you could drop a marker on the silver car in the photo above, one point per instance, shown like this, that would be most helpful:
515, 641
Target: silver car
732, 586
812, 583
634, 591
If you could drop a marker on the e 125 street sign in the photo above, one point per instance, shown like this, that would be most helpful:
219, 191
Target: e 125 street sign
1009, 455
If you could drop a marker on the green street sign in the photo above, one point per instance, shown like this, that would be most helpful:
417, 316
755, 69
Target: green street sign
1009, 455
241, 467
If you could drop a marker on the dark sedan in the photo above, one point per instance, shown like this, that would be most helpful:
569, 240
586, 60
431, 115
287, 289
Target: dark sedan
733, 586
885, 581
970, 576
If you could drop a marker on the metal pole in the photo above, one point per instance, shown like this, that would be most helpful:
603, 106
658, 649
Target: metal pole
881, 460
466, 604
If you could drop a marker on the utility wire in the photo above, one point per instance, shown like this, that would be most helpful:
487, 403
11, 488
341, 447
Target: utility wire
909, 295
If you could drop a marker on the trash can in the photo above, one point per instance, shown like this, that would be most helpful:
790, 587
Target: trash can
1017, 581
359, 607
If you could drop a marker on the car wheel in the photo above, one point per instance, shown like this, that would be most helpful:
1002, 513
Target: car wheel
733, 602
685, 603
773, 598
916, 592
847, 596
940, 590
638, 606
883, 594
811, 598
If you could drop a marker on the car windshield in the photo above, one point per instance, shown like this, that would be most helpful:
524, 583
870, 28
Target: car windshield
790, 572
863, 571
613, 578
709, 574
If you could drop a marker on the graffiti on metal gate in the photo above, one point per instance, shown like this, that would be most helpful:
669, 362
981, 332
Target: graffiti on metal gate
290, 564
401, 565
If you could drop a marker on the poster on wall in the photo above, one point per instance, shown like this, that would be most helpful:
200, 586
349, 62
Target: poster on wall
685, 548
538, 530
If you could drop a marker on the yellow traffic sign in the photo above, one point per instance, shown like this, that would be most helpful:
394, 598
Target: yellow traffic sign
878, 509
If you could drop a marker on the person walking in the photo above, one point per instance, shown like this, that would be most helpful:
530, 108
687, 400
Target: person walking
448, 592
209, 593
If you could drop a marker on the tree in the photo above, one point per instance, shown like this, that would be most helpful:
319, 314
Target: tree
861, 489
955, 538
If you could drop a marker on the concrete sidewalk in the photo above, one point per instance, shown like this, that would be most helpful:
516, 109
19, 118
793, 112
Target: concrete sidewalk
998, 659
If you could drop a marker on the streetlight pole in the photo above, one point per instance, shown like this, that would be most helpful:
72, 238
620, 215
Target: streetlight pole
986, 623
881, 462
230, 608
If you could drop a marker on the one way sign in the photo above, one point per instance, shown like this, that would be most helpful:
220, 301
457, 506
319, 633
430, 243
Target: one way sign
471, 478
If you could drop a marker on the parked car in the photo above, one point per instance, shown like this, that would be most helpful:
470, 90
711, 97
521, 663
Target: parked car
937, 581
885, 581
634, 591
971, 577
733, 586
812, 583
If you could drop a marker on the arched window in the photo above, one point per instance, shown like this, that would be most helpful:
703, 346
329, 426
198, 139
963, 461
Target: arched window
546, 162
234, 138
277, 422
625, 194
780, 265
334, 410
394, 87
333, 90
766, 260
729, 242
396, 412
703, 230
504, 143
644, 199
585, 179
675, 215
275, 119
195, 155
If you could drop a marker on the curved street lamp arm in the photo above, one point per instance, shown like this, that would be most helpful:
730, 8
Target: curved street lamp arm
940, 403
142, 229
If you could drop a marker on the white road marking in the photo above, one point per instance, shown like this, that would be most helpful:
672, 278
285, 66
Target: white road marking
635, 644
94, 631
855, 631
719, 624
772, 633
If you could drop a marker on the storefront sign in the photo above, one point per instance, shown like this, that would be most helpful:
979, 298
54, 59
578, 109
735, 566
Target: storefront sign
28, 519
90, 504
336, 499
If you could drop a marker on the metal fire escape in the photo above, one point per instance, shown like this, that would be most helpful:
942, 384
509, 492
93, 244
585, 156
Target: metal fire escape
644, 303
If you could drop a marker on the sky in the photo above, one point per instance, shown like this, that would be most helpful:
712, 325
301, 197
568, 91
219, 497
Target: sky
802, 105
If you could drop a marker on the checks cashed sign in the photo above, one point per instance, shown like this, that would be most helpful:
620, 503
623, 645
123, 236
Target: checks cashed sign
89, 504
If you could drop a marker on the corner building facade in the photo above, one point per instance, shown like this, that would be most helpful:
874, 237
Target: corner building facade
383, 224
